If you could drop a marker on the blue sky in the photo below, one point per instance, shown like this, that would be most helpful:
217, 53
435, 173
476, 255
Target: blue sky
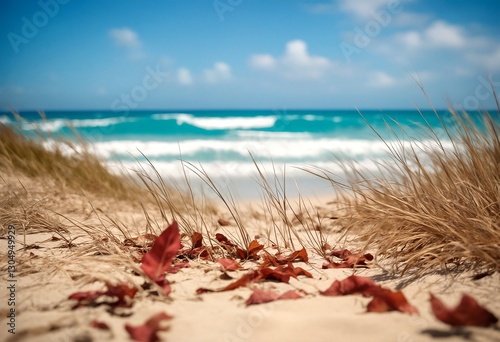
273, 54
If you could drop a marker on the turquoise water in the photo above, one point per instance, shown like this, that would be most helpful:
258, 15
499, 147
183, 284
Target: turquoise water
220, 140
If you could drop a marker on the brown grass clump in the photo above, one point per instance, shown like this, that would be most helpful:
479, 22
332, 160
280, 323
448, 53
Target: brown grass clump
80, 170
433, 208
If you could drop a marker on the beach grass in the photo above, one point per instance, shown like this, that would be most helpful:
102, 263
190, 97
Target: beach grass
432, 208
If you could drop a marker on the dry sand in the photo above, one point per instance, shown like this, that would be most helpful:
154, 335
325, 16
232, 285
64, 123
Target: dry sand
48, 272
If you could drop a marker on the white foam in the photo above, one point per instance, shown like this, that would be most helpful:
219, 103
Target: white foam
291, 149
4, 119
57, 124
213, 123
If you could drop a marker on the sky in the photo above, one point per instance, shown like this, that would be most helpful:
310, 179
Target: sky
248, 54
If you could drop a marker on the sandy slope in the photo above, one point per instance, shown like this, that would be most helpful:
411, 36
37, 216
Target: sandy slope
49, 272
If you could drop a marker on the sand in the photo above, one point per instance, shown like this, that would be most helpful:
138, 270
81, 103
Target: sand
51, 269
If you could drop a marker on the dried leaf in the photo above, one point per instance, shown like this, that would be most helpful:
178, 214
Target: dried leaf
467, 313
349, 259
261, 296
120, 291
386, 300
148, 331
223, 222
99, 325
253, 248
351, 285
196, 240
229, 264
270, 260
158, 259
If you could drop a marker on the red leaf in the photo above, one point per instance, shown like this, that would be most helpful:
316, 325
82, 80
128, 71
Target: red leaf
148, 331
261, 296
349, 259
196, 240
350, 285
291, 294
467, 313
229, 264
120, 291
174, 268
158, 259
276, 260
386, 300
99, 325
253, 248
224, 240
85, 298
243, 281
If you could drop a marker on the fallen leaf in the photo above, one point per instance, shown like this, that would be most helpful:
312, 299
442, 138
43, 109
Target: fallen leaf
270, 260
148, 331
386, 300
196, 240
351, 285
229, 264
158, 259
253, 248
99, 325
467, 313
120, 291
349, 259
223, 222
261, 296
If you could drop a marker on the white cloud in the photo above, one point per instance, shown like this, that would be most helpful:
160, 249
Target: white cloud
296, 63
220, 72
262, 62
439, 34
362, 8
381, 79
125, 37
184, 76
489, 60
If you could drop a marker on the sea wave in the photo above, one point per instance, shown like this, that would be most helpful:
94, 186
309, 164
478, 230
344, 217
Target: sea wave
219, 123
58, 124
278, 149
4, 119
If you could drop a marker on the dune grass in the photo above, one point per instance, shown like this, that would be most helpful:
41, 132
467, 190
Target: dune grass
432, 208
81, 170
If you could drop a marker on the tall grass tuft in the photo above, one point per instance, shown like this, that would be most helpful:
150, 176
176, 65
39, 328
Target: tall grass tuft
80, 170
433, 208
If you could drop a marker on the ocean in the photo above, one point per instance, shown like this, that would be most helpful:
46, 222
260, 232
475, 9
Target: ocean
282, 142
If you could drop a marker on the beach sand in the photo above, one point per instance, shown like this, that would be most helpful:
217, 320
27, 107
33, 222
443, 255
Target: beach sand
51, 266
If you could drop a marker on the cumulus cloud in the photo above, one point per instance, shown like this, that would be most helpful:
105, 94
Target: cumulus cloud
296, 62
439, 34
125, 37
362, 8
219, 73
381, 79
489, 60
184, 76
